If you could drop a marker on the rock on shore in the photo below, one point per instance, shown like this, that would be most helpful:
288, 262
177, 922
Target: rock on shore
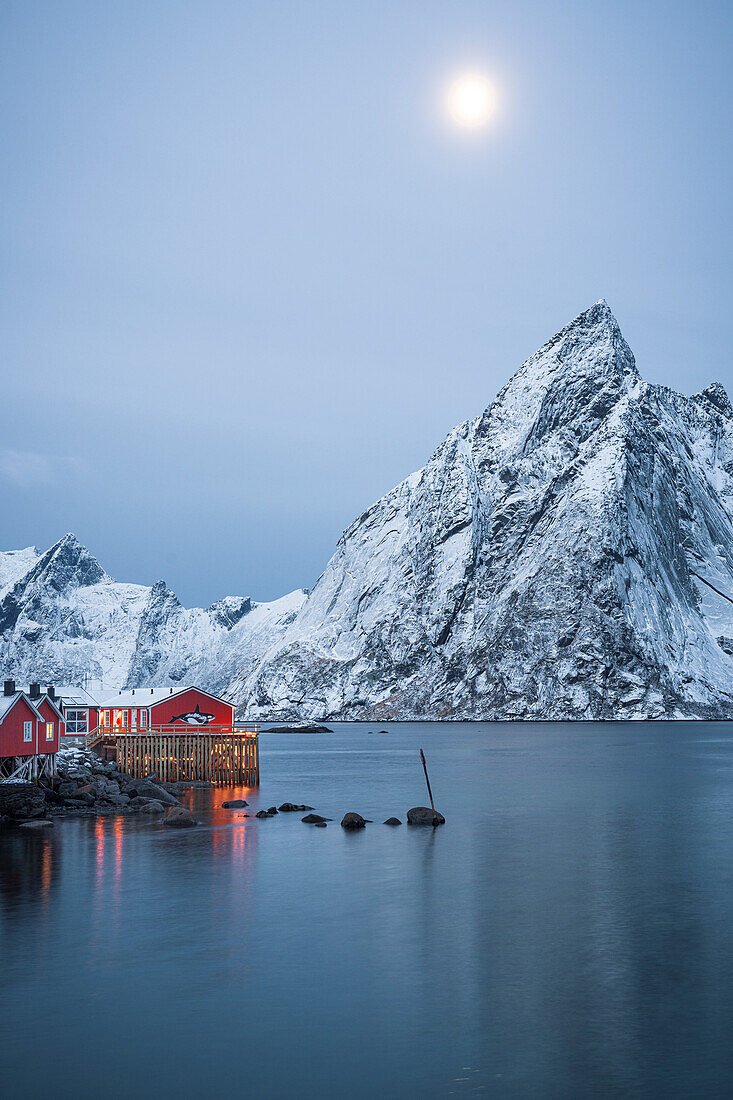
84, 785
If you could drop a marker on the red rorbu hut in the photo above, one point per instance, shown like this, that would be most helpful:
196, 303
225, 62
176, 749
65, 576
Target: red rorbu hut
177, 734
182, 710
30, 727
81, 712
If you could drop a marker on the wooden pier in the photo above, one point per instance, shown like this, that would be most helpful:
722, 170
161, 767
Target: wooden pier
227, 756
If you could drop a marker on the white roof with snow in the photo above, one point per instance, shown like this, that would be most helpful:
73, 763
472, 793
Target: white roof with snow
148, 697
7, 702
69, 695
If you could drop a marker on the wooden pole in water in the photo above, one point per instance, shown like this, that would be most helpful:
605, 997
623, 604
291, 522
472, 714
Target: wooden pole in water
425, 769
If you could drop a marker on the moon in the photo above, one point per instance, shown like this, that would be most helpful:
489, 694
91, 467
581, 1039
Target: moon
470, 100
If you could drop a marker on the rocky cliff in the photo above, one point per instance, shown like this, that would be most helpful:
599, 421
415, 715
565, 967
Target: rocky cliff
549, 561
566, 554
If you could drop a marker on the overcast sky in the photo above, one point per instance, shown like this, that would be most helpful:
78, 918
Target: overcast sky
251, 276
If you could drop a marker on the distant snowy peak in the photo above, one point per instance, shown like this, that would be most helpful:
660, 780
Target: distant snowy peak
716, 395
62, 617
67, 564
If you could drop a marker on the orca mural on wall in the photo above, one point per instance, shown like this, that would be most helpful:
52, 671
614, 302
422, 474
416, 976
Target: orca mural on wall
193, 718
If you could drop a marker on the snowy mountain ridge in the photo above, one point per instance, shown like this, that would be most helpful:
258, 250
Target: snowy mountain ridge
541, 565
566, 554
63, 618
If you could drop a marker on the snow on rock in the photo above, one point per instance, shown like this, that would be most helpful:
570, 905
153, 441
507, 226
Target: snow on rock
14, 564
566, 554
541, 565
65, 619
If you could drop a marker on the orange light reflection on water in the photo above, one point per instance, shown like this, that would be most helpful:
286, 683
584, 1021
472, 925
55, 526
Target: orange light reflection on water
46, 869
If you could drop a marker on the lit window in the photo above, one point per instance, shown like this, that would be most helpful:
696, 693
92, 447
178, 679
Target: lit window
27, 731
49, 731
106, 715
76, 721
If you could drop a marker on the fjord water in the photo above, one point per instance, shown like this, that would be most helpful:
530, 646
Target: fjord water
567, 933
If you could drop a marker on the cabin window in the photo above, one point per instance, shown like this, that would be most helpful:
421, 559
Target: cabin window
76, 721
49, 731
121, 719
106, 715
27, 731
143, 719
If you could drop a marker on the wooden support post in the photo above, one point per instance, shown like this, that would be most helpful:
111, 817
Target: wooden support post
425, 769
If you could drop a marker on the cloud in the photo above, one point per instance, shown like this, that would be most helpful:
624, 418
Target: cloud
30, 469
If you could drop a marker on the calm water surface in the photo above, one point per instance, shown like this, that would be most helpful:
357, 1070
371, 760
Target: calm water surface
568, 933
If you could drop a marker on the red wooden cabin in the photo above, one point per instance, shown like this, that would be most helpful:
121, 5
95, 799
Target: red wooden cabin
30, 726
182, 709
81, 712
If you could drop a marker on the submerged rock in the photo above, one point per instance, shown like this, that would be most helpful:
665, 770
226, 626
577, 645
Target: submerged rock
423, 815
262, 814
315, 819
291, 807
41, 823
319, 825
353, 821
147, 806
145, 788
178, 817
393, 821
234, 804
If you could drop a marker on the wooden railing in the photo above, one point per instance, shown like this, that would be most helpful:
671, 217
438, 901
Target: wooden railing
108, 733
227, 755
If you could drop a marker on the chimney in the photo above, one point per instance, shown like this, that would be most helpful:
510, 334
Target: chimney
9, 687
51, 691
35, 690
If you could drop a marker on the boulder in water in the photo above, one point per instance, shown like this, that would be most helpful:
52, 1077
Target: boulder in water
178, 817
145, 788
424, 815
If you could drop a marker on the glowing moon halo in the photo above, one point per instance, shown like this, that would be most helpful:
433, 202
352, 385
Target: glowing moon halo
470, 100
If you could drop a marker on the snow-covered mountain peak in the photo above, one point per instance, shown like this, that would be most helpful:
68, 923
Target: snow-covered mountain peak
566, 554
717, 396
67, 562
63, 618
542, 564
230, 610
561, 394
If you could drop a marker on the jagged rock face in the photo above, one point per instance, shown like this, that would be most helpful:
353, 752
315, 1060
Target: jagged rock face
63, 619
543, 564
567, 554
